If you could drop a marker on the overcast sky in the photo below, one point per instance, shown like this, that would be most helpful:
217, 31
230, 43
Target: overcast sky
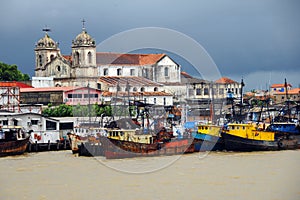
254, 39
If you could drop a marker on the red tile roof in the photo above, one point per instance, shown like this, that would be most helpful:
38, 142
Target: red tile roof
280, 85
225, 80
67, 57
186, 75
14, 84
292, 91
127, 59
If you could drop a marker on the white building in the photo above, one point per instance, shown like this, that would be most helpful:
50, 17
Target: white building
134, 88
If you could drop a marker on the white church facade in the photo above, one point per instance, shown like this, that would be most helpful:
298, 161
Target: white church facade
84, 66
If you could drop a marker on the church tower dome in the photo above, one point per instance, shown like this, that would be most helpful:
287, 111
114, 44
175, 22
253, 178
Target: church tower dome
46, 49
46, 43
84, 50
83, 40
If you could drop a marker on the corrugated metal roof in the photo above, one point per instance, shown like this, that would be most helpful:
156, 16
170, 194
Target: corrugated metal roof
136, 94
131, 80
48, 89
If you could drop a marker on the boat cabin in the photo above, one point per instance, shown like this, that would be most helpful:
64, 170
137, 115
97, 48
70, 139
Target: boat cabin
12, 133
249, 131
131, 135
209, 129
90, 131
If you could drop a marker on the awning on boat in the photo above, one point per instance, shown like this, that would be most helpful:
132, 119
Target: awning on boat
190, 124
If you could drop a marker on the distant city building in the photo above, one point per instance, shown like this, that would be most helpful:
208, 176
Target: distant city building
292, 95
279, 88
60, 95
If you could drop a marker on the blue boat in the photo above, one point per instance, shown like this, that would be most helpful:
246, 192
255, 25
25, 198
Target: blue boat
208, 138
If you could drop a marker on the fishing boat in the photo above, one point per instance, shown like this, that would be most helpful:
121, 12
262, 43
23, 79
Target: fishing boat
293, 129
284, 122
13, 140
124, 143
82, 136
117, 149
208, 138
249, 137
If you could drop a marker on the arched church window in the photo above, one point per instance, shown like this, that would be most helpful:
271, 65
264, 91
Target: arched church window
40, 60
134, 89
155, 89
51, 57
76, 58
89, 57
142, 89
166, 71
58, 68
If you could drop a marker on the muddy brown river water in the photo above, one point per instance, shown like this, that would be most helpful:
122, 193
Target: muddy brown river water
216, 175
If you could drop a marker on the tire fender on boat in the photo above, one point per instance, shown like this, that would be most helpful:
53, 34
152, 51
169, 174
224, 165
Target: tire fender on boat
280, 144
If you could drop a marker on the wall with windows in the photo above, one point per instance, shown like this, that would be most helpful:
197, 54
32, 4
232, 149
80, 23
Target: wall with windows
166, 70
82, 96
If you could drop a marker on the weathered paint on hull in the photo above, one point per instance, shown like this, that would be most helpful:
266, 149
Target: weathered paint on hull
8, 148
205, 142
235, 143
124, 150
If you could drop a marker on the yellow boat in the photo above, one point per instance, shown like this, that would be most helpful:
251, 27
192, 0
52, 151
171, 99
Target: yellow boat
254, 137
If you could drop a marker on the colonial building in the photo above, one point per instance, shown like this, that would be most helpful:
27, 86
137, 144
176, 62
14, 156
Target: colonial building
279, 88
155, 67
134, 88
86, 65
292, 95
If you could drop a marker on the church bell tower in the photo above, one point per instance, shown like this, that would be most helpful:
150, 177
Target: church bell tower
84, 50
45, 51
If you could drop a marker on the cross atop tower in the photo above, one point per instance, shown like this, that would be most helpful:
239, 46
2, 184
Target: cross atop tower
46, 29
83, 23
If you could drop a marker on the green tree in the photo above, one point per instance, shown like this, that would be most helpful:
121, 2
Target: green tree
59, 111
11, 73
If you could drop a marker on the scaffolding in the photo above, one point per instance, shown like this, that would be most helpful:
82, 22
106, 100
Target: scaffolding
9, 96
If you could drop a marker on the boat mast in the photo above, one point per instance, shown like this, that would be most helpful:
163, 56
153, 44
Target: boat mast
241, 98
287, 99
89, 102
